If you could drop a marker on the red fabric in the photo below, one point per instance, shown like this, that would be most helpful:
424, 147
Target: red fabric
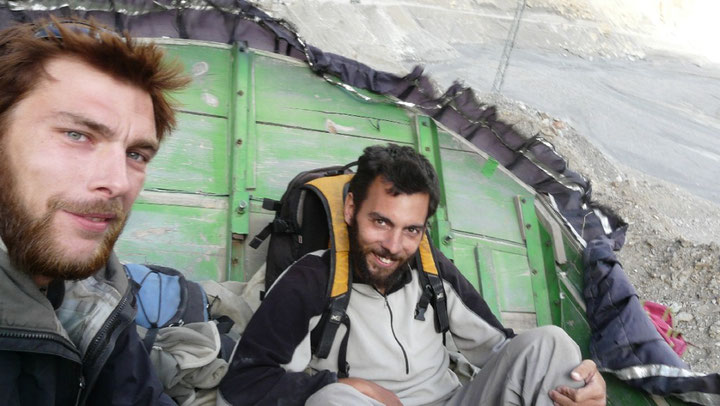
662, 318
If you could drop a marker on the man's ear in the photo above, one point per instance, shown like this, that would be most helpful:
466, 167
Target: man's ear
349, 208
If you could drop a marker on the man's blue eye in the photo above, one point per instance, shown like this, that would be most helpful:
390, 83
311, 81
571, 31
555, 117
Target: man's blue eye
75, 136
135, 156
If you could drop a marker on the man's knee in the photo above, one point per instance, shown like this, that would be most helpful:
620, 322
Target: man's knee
339, 394
550, 339
555, 335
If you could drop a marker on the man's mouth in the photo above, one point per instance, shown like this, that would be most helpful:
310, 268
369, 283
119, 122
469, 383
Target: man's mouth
98, 219
384, 261
94, 222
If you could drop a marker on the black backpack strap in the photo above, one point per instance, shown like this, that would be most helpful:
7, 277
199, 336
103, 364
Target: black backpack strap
278, 225
329, 189
227, 344
271, 204
427, 294
343, 366
323, 335
342, 170
439, 303
261, 236
432, 284
150, 337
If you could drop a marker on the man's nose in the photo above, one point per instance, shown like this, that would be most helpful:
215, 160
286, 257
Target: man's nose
393, 241
109, 172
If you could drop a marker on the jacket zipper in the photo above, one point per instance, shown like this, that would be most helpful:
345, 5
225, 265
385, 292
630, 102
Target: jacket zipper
95, 347
50, 337
407, 365
81, 386
39, 336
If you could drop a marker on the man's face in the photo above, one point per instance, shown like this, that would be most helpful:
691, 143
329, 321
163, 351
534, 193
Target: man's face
385, 232
73, 155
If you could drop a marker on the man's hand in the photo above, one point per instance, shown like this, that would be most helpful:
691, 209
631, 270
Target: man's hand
593, 393
372, 390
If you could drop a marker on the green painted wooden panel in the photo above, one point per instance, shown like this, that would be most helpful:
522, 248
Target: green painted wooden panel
525, 205
467, 262
574, 266
283, 152
281, 86
428, 145
499, 270
210, 70
512, 276
194, 158
339, 123
551, 276
191, 239
478, 204
451, 141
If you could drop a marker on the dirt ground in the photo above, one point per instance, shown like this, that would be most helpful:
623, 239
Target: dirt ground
671, 255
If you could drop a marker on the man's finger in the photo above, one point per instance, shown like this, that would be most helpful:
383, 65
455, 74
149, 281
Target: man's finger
594, 389
560, 398
583, 372
588, 392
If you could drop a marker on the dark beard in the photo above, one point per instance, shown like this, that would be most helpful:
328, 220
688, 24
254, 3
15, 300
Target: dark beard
359, 263
31, 243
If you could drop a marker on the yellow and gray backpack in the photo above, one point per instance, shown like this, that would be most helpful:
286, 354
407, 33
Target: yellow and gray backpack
315, 198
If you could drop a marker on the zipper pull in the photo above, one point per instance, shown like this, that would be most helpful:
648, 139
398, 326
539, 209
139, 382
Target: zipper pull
81, 386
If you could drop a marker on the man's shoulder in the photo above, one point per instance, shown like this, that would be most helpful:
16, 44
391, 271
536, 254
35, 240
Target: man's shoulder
310, 273
316, 260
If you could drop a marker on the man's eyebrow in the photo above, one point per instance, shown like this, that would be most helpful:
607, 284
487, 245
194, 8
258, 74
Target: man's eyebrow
377, 216
418, 226
151, 147
105, 131
93, 125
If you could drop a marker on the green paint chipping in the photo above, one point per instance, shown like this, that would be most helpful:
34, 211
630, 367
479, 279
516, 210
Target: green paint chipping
488, 170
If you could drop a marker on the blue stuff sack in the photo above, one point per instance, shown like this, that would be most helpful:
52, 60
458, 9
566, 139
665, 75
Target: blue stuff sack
165, 298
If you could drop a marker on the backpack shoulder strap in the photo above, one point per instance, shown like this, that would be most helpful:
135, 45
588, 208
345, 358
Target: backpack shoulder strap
433, 291
330, 189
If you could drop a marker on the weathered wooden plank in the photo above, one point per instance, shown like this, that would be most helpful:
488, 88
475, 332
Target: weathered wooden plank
336, 123
183, 199
194, 158
478, 204
209, 67
512, 275
191, 239
283, 152
280, 85
499, 270
452, 141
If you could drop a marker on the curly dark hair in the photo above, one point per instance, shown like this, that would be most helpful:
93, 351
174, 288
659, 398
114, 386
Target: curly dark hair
407, 170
